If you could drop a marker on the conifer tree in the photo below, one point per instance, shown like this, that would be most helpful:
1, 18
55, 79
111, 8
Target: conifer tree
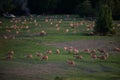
104, 20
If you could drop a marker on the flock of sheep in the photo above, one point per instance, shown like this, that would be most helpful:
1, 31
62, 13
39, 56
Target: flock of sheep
19, 24
104, 55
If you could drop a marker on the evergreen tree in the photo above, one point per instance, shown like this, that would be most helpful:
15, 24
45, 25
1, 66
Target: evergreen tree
104, 20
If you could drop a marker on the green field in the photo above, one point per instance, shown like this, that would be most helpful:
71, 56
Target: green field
22, 35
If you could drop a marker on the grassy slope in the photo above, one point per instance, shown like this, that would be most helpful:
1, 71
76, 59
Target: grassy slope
86, 69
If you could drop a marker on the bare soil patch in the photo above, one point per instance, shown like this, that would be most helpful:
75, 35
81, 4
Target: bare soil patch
91, 44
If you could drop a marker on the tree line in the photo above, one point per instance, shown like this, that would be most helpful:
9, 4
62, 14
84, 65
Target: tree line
81, 7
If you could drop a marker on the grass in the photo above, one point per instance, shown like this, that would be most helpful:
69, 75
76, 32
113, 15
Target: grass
56, 67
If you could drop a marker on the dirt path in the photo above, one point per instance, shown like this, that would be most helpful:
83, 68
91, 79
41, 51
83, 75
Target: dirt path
91, 44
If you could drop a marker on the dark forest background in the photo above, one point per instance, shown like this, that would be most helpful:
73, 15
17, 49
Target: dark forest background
81, 7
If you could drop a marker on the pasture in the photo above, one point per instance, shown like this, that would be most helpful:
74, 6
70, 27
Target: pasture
57, 47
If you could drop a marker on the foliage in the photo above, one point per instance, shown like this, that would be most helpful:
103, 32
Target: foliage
6, 6
85, 8
104, 21
82, 7
116, 9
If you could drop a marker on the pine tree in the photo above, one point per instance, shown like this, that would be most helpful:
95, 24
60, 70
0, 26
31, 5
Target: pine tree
104, 20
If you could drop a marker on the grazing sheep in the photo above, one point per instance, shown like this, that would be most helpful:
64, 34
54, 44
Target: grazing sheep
45, 57
71, 24
102, 50
67, 30
46, 20
57, 25
71, 62
39, 54
10, 55
0, 22
42, 33
65, 48
5, 37
106, 55
86, 50
78, 56
93, 51
60, 21
51, 23
57, 51
91, 33
117, 49
49, 51
29, 56
70, 49
8, 30
76, 51
17, 32
102, 57
58, 28
93, 55
28, 30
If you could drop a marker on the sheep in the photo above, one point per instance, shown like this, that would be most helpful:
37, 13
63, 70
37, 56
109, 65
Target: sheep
51, 23
91, 33
70, 49
11, 52
44, 57
57, 51
76, 51
29, 56
78, 56
67, 30
0, 22
93, 51
102, 57
10, 55
58, 28
71, 62
39, 54
86, 50
57, 25
102, 50
46, 20
17, 32
71, 24
49, 51
28, 31
8, 30
93, 55
42, 33
117, 49
5, 37
65, 48
106, 55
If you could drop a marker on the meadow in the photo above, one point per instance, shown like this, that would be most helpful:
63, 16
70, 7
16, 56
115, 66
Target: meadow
57, 47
